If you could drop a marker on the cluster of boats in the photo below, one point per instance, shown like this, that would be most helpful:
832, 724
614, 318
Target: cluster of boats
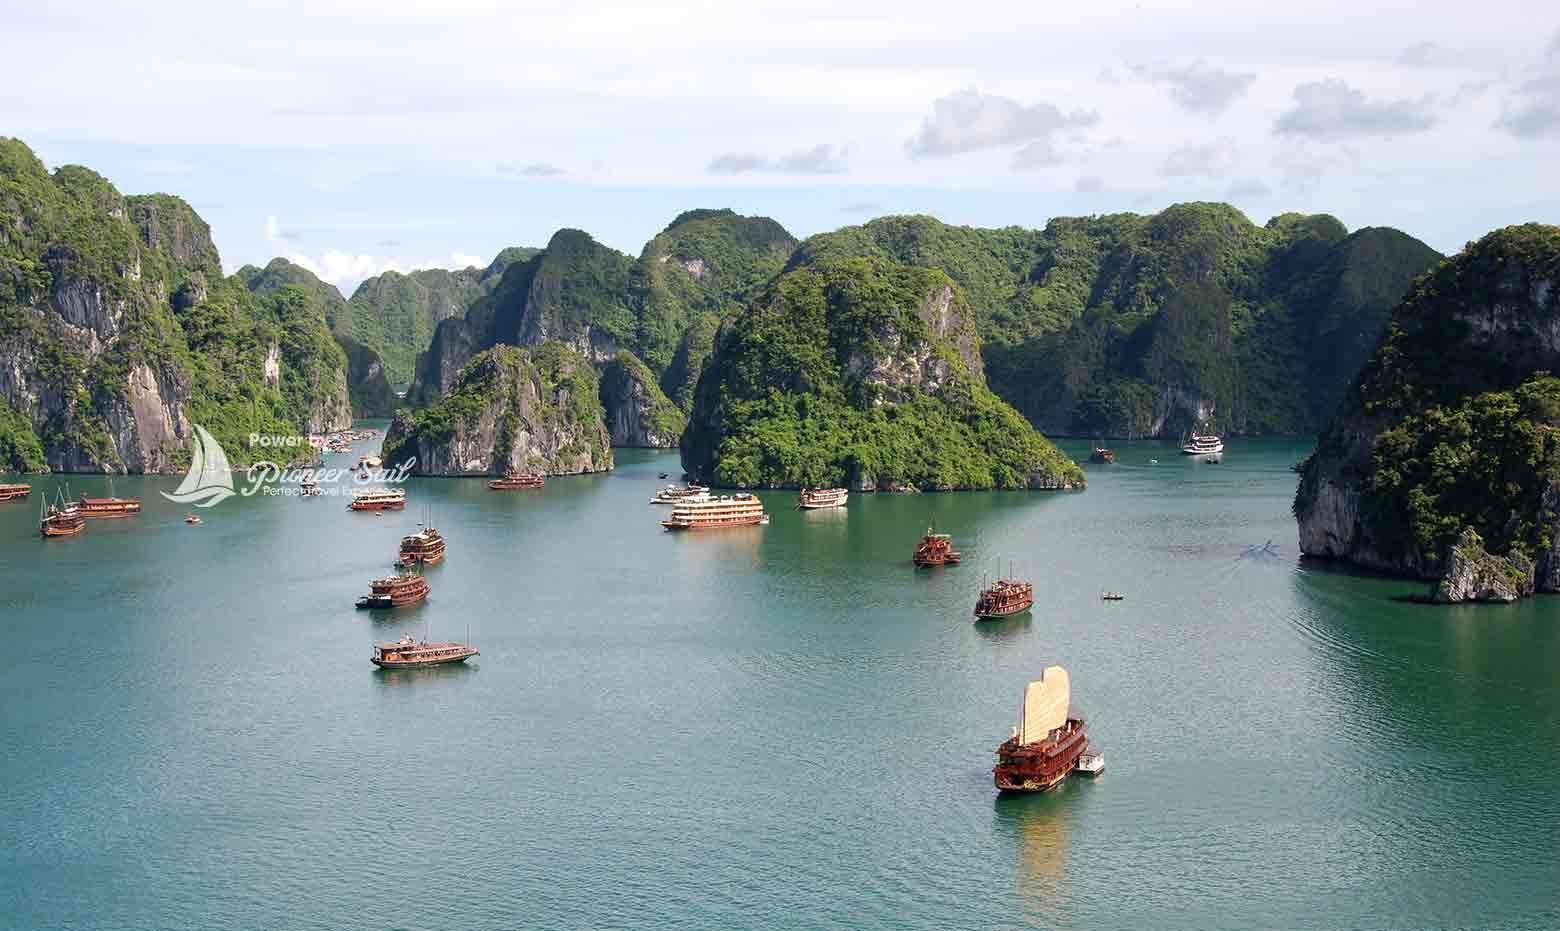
1206, 446
66, 517
342, 440
408, 586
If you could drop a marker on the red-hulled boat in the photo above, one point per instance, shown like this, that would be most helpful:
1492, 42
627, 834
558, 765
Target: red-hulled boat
395, 591
7, 492
935, 549
61, 520
110, 507
518, 481
1048, 741
1005, 598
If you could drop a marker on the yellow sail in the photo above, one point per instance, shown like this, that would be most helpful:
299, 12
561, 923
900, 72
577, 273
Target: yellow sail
1045, 705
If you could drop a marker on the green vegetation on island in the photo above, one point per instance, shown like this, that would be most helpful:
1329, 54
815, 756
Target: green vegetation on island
864, 372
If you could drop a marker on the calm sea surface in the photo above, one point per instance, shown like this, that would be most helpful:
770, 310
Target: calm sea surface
781, 727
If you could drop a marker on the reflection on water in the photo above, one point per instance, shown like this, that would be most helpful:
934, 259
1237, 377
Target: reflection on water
446, 672
1040, 827
1005, 628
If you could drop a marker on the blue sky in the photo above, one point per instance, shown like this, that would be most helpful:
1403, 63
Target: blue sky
355, 137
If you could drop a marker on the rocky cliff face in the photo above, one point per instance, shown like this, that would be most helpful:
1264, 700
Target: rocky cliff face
118, 331
1473, 574
637, 412
860, 372
1453, 426
367, 385
509, 408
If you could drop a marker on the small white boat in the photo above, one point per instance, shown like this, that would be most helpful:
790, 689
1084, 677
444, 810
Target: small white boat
1091, 763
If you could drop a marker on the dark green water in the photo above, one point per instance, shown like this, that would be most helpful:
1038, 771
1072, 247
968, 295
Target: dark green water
781, 727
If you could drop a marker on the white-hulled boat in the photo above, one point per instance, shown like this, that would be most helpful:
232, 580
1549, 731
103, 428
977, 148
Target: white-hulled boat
1203, 444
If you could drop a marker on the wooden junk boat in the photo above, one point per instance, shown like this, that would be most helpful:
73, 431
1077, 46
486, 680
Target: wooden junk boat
394, 591
1102, 455
1049, 740
62, 519
1005, 598
812, 499
410, 652
518, 481
701, 512
378, 499
110, 507
7, 492
426, 547
672, 494
935, 549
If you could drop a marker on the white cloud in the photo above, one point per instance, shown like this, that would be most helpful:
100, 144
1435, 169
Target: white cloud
819, 160
346, 270
1201, 159
968, 120
1535, 109
1330, 110
1199, 87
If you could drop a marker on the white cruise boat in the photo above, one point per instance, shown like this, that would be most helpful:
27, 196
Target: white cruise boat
1203, 444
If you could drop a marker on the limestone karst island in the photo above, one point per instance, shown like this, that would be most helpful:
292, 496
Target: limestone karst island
689, 467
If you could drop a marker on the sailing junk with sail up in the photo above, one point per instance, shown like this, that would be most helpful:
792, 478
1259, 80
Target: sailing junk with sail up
1049, 738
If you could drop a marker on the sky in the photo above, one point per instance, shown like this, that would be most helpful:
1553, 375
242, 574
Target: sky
356, 137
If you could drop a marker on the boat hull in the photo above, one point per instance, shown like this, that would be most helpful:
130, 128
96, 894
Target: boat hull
418, 663
996, 614
1040, 767
715, 525
54, 530
377, 505
100, 510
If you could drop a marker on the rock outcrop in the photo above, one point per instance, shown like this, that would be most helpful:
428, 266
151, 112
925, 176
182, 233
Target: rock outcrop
860, 372
369, 389
1453, 424
1474, 574
637, 412
118, 331
509, 408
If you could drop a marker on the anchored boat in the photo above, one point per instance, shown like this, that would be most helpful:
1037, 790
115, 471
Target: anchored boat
812, 499
1049, 739
61, 519
408, 651
1203, 444
1005, 598
701, 512
395, 591
110, 507
1102, 455
378, 499
425, 547
7, 492
935, 549
518, 481
672, 494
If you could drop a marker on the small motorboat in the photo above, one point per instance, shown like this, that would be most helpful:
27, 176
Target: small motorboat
1091, 762
662, 475
191, 518
1112, 596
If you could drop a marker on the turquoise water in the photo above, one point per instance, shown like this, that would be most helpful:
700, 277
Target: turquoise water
783, 727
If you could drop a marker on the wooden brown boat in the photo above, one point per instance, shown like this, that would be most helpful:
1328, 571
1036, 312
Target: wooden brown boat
410, 652
1005, 598
425, 547
63, 519
1102, 455
935, 549
812, 499
518, 481
395, 591
8, 492
109, 507
1049, 740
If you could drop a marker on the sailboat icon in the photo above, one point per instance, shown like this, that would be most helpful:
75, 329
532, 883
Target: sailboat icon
209, 479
